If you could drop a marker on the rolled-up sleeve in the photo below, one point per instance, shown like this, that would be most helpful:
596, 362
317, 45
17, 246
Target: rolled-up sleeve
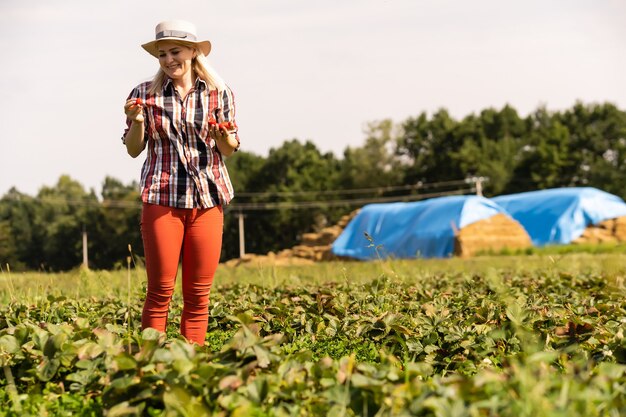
228, 111
135, 93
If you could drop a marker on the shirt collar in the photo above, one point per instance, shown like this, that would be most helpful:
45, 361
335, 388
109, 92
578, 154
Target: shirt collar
199, 85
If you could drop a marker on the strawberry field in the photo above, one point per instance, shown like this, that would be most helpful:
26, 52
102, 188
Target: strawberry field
500, 336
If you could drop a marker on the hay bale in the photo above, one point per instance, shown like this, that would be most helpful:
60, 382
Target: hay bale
313, 247
608, 231
329, 234
619, 229
495, 233
310, 239
345, 219
318, 246
267, 260
596, 234
609, 224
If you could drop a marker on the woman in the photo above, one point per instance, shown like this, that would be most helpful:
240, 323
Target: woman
185, 117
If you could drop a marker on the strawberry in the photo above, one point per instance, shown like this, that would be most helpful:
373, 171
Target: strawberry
222, 125
139, 102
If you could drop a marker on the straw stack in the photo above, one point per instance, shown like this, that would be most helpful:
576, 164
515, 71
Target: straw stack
493, 234
313, 247
608, 231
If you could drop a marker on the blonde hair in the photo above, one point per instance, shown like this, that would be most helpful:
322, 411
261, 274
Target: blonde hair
199, 64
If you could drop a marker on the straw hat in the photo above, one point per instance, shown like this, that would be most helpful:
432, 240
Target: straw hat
176, 30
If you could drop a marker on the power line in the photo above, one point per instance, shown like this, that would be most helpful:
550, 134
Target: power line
278, 205
417, 186
335, 203
77, 202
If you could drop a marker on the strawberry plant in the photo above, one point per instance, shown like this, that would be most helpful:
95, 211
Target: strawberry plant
498, 342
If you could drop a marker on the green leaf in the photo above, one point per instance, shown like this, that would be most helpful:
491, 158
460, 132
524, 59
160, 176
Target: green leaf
82, 323
54, 344
125, 409
124, 362
362, 381
258, 390
262, 355
9, 344
516, 313
152, 334
543, 357
123, 383
39, 338
81, 379
47, 368
89, 350
179, 401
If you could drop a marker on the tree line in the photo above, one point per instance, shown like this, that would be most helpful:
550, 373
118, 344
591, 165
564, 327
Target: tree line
297, 188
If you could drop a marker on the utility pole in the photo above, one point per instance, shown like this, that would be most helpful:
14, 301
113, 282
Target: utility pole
242, 242
478, 183
85, 254
479, 186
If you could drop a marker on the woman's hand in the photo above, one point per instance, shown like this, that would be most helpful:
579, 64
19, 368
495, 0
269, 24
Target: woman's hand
134, 138
225, 137
134, 110
219, 132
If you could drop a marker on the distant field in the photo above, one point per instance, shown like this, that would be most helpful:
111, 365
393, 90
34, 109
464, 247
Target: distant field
80, 283
523, 335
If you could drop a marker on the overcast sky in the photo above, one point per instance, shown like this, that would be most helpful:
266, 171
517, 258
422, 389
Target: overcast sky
311, 70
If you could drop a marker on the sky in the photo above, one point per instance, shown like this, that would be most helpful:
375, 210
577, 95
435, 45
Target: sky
308, 70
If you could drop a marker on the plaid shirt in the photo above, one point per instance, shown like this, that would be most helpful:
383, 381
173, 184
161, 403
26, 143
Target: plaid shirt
183, 166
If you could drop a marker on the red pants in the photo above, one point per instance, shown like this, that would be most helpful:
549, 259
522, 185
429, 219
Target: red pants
169, 233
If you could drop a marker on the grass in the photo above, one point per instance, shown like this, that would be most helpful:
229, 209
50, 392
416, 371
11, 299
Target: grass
81, 284
588, 248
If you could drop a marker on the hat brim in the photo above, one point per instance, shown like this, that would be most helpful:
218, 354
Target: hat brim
151, 47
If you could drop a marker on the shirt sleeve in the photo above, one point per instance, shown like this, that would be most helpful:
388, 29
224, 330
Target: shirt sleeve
135, 93
228, 112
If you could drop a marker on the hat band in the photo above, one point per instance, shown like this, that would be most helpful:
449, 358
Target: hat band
176, 34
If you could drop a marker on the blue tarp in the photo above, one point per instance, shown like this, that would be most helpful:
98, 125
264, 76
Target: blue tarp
409, 230
560, 215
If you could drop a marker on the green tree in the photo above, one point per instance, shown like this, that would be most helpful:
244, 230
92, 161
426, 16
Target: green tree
65, 209
428, 146
243, 168
8, 255
598, 146
375, 164
294, 173
491, 144
546, 158
584, 145
114, 225
23, 239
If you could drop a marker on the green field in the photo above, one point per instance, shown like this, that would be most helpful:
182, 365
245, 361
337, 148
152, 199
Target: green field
535, 335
